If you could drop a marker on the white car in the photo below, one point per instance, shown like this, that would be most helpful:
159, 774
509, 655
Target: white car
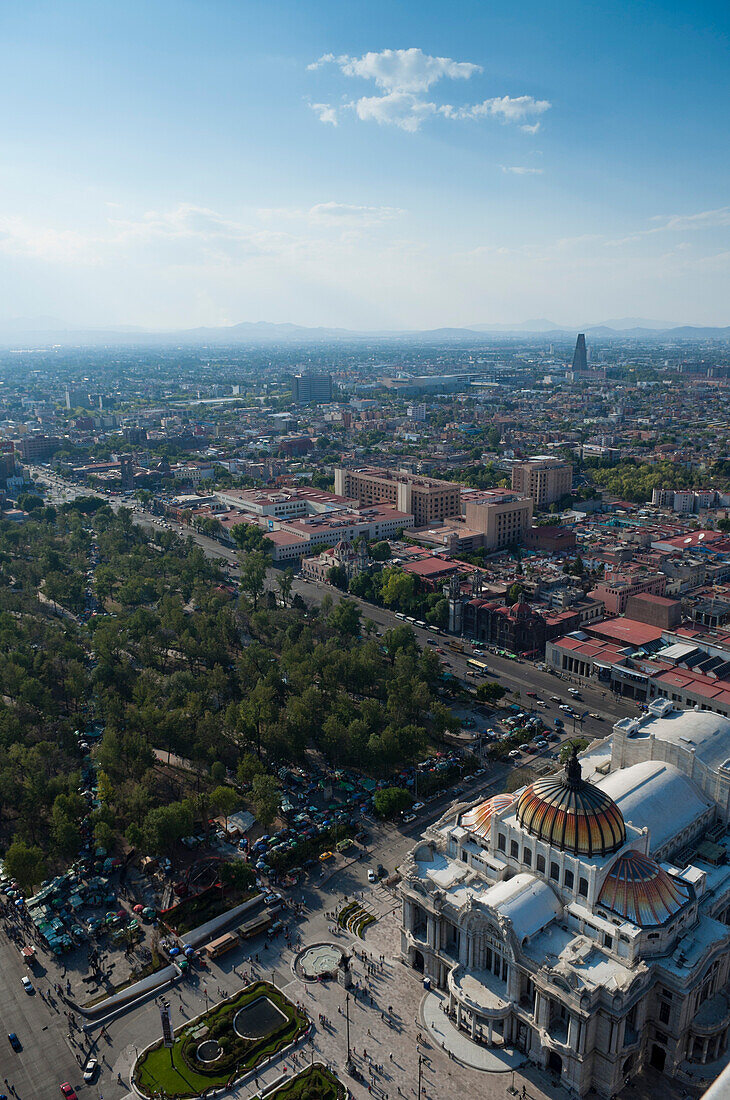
90, 1069
566, 708
513, 755
372, 877
27, 984
418, 805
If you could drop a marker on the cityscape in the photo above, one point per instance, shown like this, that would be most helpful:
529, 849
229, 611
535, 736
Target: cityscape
365, 694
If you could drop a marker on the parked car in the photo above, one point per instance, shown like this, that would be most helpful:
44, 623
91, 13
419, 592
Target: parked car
372, 877
27, 984
513, 754
15, 1042
409, 818
419, 805
68, 1091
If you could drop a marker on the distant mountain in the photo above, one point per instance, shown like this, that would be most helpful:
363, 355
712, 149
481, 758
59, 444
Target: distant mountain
39, 332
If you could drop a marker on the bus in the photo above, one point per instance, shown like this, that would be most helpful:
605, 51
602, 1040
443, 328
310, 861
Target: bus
399, 615
478, 666
221, 945
456, 646
253, 927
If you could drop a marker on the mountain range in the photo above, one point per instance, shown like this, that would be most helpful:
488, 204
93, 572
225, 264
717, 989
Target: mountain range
46, 330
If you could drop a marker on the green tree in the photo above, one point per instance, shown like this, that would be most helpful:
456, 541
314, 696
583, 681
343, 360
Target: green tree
490, 692
225, 801
25, 863
265, 798
391, 801
345, 618
285, 581
253, 575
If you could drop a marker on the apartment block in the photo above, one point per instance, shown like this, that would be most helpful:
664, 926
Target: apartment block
544, 479
427, 499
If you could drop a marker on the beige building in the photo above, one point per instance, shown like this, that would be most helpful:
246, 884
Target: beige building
544, 479
500, 516
426, 498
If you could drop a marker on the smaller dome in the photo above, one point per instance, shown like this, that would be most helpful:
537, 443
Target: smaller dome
638, 889
479, 818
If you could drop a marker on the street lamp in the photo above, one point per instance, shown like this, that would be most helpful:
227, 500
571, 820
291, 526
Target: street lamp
347, 1020
420, 1060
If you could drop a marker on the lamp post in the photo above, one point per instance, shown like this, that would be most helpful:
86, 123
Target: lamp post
420, 1060
347, 1021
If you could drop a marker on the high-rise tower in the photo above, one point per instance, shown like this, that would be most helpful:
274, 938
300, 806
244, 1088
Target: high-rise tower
580, 356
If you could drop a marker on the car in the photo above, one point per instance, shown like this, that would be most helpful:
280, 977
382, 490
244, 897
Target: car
596, 717
90, 1069
532, 694
525, 748
513, 754
409, 818
27, 984
564, 706
372, 877
15, 1042
68, 1091
273, 899
419, 805
554, 698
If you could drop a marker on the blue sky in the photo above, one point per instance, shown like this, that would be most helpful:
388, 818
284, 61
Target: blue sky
366, 164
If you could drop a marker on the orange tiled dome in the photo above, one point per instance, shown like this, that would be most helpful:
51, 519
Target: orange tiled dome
571, 814
478, 819
637, 888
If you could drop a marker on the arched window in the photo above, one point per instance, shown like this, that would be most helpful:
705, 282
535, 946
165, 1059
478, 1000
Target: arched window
541, 864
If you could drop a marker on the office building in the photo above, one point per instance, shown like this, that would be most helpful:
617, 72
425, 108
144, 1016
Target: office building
426, 498
311, 389
500, 516
546, 480
580, 355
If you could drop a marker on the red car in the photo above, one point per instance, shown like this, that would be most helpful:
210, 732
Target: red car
68, 1091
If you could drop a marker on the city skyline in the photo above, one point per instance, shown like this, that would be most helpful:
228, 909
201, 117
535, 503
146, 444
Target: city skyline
169, 166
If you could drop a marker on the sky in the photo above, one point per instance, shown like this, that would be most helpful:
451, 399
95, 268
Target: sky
367, 165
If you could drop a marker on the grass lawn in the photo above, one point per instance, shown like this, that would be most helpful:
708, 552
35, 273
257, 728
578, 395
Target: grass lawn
175, 1070
314, 1083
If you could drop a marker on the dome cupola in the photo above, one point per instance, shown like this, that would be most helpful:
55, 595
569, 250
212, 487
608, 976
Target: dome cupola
571, 814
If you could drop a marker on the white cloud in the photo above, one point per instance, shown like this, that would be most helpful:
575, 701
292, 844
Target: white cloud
325, 112
342, 213
401, 70
404, 76
519, 170
402, 109
705, 219
506, 108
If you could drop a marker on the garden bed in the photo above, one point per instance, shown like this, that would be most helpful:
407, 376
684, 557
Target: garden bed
314, 1083
181, 1074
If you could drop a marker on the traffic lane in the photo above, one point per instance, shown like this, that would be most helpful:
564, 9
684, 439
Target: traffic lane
46, 1059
